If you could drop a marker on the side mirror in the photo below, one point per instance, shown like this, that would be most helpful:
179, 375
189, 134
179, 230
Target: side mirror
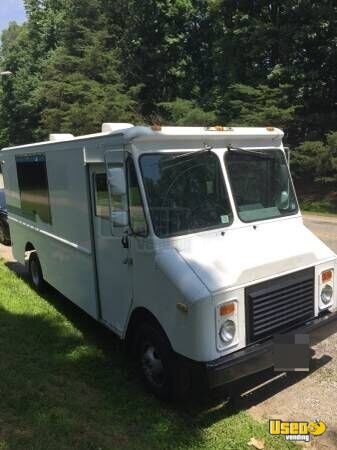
284, 200
116, 180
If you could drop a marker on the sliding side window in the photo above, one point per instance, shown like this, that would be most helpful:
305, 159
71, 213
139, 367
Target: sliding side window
33, 186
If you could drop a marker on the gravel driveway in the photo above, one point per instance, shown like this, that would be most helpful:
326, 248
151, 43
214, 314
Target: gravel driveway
297, 396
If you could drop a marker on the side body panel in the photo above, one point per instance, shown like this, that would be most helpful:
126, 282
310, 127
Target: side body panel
64, 246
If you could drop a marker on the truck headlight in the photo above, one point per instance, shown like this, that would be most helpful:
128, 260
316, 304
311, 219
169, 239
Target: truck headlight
326, 285
326, 294
227, 331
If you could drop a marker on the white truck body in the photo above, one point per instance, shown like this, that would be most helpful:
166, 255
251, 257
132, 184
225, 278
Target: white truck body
180, 279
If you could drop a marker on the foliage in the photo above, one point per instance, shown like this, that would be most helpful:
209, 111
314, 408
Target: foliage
183, 112
316, 161
185, 62
256, 106
308, 160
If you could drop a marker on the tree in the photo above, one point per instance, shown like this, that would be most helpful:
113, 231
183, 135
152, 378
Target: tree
153, 49
186, 113
81, 83
255, 106
20, 109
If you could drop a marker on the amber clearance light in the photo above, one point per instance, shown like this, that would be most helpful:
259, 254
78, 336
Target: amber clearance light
326, 276
227, 309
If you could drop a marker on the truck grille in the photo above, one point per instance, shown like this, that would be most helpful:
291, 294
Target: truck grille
280, 304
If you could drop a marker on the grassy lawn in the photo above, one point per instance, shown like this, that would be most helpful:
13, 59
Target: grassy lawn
66, 383
315, 213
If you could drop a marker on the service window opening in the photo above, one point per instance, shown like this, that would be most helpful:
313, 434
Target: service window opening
34, 187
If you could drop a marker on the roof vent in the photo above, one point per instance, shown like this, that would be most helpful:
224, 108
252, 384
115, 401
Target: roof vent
61, 137
111, 127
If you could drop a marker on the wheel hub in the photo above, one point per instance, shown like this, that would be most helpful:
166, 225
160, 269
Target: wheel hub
153, 366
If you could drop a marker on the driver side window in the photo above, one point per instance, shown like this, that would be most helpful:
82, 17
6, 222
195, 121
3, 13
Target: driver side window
138, 222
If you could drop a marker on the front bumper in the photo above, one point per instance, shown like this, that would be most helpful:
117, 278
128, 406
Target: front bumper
259, 356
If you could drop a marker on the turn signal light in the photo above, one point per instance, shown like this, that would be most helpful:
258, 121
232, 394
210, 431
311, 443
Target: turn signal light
216, 128
219, 128
326, 276
227, 309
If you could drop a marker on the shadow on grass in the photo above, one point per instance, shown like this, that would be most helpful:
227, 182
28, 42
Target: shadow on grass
66, 382
67, 377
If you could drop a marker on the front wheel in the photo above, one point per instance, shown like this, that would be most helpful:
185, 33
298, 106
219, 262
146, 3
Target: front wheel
157, 364
35, 272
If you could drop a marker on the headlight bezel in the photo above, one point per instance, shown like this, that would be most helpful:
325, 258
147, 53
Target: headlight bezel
326, 284
222, 318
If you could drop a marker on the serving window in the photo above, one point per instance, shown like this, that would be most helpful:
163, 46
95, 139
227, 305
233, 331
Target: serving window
34, 188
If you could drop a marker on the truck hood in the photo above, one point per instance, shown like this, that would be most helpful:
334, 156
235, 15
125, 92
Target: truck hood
246, 254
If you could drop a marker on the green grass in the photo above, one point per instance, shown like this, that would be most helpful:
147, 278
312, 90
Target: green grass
315, 213
318, 206
318, 198
66, 383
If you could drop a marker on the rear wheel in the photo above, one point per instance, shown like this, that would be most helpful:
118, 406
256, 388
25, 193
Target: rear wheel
3, 235
35, 272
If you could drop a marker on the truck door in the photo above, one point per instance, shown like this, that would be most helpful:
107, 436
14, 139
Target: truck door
113, 260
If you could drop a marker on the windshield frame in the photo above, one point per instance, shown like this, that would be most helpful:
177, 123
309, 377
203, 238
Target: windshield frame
258, 149
194, 231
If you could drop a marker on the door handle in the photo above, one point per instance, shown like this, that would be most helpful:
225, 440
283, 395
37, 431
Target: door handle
125, 241
128, 261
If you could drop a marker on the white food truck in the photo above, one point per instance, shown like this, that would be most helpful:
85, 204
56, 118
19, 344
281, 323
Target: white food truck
186, 242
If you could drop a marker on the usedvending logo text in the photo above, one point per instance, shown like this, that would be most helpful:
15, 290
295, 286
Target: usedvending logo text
296, 431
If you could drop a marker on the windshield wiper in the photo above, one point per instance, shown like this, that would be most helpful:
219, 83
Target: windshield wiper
181, 158
249, 152
197, 152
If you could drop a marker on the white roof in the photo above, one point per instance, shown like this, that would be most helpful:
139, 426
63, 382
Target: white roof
171, 132
141, 133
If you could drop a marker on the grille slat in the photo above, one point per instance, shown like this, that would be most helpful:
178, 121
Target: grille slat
286, 286
287, 321
284, 299
280, 320
259, 300
277, 305
288, 310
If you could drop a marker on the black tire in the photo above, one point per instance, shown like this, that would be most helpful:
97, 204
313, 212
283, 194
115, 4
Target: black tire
157, 363
3, 238
35, 272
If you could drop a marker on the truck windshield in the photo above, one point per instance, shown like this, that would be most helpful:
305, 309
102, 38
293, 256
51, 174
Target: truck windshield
261, 184
185, 194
